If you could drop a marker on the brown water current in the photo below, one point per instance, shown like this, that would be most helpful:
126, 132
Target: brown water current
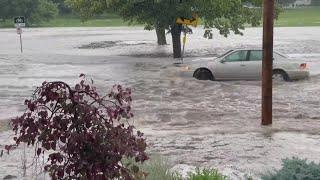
199, 123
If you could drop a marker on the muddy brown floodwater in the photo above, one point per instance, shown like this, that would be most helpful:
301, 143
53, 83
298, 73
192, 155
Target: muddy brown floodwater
199, 123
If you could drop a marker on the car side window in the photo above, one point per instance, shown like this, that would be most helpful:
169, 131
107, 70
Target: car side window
255, 56
237, 56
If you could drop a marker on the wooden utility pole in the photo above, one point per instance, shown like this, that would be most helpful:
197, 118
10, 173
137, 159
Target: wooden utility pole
268, 23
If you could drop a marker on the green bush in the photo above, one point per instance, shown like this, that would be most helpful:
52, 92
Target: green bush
35, 11
295, 169
156, 168
206, 174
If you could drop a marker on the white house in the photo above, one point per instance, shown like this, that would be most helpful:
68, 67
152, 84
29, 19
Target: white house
302, 3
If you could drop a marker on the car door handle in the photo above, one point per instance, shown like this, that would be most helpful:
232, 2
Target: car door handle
242, 65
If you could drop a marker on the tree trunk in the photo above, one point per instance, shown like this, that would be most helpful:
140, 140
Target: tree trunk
161, 35
176, 40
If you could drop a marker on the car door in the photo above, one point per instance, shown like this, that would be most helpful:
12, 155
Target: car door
232, 66
254, 65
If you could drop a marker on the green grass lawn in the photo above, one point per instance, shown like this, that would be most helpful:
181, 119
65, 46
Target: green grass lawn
72, 21
305, 16
76, 22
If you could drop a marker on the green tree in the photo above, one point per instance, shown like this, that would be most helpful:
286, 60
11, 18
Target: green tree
35, 11
63, 8
225, 15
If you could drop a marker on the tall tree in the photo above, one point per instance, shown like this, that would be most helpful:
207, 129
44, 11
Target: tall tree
225, 15
35, 11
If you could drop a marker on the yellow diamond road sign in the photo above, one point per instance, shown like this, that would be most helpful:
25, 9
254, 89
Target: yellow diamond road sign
193, 22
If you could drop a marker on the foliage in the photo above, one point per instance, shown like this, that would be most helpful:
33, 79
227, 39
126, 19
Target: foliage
158, 168
297, 169
87, 9
44, 12
207, 174
224, 15
249, 178
85, 134
35, 11
155, 168
63, 8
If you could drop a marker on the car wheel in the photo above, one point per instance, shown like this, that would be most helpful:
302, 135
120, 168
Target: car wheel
280, 75
203, 74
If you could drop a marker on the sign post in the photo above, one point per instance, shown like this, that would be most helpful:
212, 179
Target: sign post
19, 31
184, 43
19, 23
268, 23
193, 22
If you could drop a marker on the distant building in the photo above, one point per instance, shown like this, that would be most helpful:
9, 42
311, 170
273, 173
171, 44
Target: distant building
295, 4
302, 3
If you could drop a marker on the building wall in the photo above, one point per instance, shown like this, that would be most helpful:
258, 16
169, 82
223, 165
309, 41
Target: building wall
302, 2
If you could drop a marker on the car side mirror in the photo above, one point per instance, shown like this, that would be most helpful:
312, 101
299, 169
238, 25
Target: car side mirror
223, 61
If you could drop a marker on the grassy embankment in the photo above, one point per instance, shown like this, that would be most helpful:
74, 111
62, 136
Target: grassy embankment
73, 21
304, 16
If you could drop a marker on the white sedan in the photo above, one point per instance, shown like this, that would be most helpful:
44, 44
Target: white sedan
246, 64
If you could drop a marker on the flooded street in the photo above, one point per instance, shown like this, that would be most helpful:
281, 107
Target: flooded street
199, 123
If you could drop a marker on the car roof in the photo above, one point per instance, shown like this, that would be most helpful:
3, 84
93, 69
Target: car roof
248, 49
